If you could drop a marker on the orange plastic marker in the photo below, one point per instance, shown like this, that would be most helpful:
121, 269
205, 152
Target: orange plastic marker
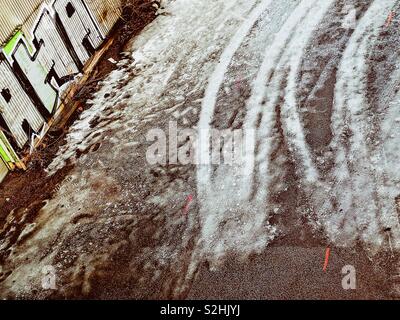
327, 254
389, 19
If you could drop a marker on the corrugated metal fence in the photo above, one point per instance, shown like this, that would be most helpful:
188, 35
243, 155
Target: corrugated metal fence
44, 42
24, 13
106, 13
18, 13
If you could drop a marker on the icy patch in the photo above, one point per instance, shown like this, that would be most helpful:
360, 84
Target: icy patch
362, 184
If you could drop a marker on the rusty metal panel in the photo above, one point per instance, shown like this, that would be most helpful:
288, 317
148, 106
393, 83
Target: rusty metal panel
105, 12
3, 170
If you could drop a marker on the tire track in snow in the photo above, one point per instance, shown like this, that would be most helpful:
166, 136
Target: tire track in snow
388, 181
357, 207
210, 194
384, 123
217, 78
258, 111
280, 91
252, 232
284, 171
318, 77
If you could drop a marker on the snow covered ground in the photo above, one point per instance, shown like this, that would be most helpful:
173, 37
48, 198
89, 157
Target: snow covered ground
317, 81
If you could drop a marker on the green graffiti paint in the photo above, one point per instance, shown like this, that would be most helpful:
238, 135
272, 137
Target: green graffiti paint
7, 152
4, 154
34, 70
36, 74
8, 49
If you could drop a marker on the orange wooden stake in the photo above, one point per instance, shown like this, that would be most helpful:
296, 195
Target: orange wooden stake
327, 255
189, 200
389, 19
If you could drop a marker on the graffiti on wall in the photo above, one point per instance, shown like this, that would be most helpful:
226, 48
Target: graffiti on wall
18, 113
79, 26
8, 155
36, 68
56, 57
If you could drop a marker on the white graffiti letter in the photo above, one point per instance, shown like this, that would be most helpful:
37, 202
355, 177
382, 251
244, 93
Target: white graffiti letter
36, 75
79, 26
16, 108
